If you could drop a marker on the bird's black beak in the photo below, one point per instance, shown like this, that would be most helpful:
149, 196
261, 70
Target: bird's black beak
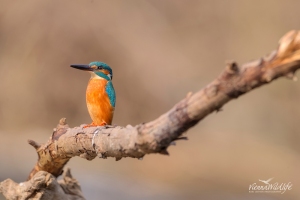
82, 67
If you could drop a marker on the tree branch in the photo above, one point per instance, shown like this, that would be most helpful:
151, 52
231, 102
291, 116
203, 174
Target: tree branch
157, 135
43, 186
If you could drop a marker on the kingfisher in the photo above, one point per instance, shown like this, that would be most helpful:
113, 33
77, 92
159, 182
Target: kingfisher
100, 93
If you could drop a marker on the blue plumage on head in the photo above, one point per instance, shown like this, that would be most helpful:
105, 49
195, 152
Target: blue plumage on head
103, 65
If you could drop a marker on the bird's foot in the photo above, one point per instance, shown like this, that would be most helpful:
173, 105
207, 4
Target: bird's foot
103, 123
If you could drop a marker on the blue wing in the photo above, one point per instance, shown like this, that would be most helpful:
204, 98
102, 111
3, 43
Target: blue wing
109, 88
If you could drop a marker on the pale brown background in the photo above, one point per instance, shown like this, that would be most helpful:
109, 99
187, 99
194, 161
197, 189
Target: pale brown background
159, 51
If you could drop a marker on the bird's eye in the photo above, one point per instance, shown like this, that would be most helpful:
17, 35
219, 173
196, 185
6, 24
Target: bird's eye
99, 67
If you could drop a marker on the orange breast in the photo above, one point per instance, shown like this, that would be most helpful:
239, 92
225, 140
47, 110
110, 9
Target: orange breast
98, 103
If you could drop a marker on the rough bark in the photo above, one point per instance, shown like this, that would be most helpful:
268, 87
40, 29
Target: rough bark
157, 135
43, 186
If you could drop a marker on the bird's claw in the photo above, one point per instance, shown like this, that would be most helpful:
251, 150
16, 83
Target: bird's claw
94, 125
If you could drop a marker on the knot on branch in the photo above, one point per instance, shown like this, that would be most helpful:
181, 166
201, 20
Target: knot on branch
60, 129
232, 67
289, 45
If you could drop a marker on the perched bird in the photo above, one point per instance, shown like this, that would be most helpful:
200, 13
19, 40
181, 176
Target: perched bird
100, 93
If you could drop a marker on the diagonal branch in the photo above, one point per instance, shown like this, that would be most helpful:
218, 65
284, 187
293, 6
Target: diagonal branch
157, 135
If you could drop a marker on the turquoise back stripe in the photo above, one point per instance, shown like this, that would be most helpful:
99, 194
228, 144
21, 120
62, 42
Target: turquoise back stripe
109, 88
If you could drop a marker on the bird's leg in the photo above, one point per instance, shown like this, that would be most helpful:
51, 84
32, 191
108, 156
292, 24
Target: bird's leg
103, 123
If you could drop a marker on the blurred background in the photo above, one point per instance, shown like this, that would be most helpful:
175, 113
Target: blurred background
159, 51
